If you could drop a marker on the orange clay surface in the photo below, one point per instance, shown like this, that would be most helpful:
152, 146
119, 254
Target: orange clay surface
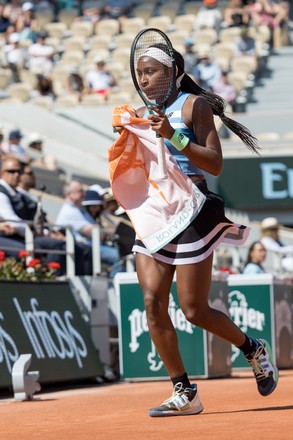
233, 411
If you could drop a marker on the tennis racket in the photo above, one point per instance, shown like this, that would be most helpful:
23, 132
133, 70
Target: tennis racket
152, 55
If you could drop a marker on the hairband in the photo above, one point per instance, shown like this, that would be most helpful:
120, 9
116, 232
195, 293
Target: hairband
158, 55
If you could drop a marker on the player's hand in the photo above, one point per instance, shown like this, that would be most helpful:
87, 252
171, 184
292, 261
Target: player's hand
160, 123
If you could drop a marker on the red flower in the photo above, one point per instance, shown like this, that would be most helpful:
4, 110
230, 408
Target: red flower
2, 255
34, 262
54, 265
23, 254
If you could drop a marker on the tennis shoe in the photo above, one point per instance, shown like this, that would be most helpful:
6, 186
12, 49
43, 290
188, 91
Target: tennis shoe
184, 401
263, 367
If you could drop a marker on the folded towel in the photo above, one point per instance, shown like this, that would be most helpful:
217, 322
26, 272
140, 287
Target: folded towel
159, 209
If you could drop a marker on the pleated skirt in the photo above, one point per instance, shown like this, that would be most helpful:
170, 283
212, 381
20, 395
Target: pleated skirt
206, 232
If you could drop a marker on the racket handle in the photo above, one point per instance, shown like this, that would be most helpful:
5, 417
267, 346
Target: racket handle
161, 157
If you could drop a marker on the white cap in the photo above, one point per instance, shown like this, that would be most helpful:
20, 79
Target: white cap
269, 223
14, 37
27, 6
34, 137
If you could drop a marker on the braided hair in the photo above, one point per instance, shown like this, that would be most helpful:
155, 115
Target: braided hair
217, 103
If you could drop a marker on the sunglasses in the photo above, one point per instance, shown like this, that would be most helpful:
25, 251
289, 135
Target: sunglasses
12, 171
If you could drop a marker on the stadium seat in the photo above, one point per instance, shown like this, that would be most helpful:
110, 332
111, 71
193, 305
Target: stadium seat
228, 35
5, 78
132, 25
205, 36
169, 10
74, 57
56, 30
20, 91
192, 7
107, 27
67, 16
82, 28
100, 42
76, 42
42, 19
124, 40
144, 11
162, 22
92, 100
186, 22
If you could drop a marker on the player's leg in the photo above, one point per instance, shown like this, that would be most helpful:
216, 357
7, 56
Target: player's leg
193, 285
155, 279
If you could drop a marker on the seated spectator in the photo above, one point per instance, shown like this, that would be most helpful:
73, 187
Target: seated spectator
44, 86
14, 55
255, 258
207, 72
189, 55
118, 9
40, 55
26, 23
73, 214
15, 209
39, 158
271, 240
74, 84
91, 11
272, 14
209, 16
235, 14
225, 89
244, 44
100, 80
14, 147
6, 26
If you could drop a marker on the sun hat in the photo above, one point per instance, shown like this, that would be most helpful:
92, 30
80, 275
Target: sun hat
269, 223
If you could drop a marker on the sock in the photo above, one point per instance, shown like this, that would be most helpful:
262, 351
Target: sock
183, 379
250, 346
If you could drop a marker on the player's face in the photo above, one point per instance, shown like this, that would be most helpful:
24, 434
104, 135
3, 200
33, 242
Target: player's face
153, 78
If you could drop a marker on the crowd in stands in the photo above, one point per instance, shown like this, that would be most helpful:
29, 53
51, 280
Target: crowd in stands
64, 48
82, 210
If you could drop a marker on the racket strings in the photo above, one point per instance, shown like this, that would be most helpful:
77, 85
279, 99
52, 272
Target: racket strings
154, 45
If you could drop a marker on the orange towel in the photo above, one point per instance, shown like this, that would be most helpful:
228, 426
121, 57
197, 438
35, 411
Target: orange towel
159, 209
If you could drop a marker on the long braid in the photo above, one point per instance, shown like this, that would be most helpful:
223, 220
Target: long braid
218, 105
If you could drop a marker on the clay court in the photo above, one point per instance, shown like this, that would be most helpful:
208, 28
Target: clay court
233, 410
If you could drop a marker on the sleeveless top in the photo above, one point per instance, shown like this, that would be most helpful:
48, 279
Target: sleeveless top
174, 115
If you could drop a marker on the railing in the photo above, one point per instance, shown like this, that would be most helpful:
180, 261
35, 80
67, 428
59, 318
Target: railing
29, 245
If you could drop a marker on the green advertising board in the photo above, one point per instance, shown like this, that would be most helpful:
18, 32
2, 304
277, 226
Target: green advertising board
137, 354
252, 309
43, 319
269, 186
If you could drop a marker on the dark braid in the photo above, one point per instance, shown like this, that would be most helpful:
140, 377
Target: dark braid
218, 105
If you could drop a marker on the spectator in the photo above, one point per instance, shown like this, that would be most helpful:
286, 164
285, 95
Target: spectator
26, 23
189, 55
255, 258
224, 88
244, 44
207, 72
271, 240
73, 214
14, 147
39, 158
14, 55
209, 16
74, 84
118, 9
5, 23
45, 86
235, 14
15, 209
268, 13
100, 80
91, 11
40, 56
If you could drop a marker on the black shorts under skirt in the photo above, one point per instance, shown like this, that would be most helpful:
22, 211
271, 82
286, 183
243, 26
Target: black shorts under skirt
209, 229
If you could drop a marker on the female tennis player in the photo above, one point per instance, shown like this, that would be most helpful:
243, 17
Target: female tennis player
187, 126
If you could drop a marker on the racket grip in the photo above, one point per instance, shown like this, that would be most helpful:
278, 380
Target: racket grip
161, 157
